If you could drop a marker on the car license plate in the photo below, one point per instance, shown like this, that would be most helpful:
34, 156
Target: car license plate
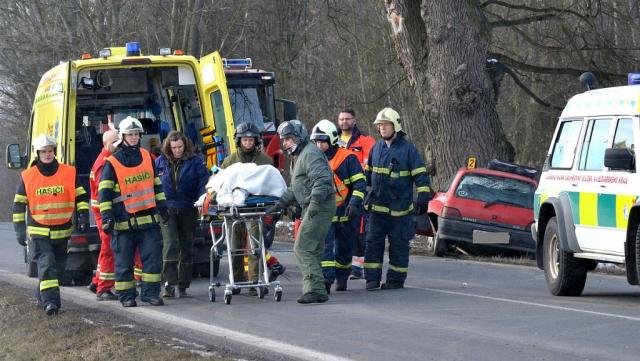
483, 237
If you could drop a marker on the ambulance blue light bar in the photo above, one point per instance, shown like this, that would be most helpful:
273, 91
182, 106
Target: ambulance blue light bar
133, 48
633, 78
236, 63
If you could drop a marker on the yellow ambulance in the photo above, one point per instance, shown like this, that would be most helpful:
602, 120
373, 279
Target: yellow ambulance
78, 100
586, 204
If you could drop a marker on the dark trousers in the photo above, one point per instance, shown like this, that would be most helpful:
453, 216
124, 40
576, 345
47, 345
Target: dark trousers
178, 234
338, 247
124, 244
399, 230
51, 259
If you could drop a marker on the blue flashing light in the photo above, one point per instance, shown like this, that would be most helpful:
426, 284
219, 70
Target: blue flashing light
133, 48
633, 78
236, 63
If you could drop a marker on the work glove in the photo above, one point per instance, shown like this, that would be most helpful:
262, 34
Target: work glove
22, 237
276, 208
107, 225
421, 208
295, 212
312, 209
352, 211
164, 214
83, 223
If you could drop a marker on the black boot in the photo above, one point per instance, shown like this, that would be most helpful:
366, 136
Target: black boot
154, 301
51, 309
372, 285
341, 284
327, 286
129, 303
392, 285
313, 297
276, 270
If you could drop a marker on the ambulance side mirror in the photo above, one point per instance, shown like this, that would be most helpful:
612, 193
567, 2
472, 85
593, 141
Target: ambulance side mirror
619, 159
14, 159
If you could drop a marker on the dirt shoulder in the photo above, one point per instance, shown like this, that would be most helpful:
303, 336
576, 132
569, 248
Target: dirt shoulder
79, 333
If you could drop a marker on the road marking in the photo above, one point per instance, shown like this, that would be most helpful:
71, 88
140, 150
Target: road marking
526, 303
86, 299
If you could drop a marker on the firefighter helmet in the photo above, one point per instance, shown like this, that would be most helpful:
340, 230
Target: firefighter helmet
295, 130
389, 115
130, 125
325, 131
42, 141
247, 129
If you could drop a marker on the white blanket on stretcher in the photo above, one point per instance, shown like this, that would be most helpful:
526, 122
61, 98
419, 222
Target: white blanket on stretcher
233, 184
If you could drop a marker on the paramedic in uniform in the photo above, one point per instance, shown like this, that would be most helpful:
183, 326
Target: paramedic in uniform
350, 187
393, 167
312, 188
51, 191
130, 195
248, 143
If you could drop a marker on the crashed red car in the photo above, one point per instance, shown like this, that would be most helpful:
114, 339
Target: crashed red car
485, 207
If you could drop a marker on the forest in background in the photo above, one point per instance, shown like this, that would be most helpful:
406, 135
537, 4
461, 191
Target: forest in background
329, 54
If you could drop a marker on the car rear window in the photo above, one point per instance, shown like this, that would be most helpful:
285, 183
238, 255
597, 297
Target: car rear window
494, 189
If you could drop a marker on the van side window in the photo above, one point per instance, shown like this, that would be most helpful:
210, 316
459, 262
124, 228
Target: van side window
595, 142
624, 134
565, 146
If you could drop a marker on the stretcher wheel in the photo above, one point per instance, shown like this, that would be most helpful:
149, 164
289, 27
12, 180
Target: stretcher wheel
261, 292
212, 294
278, 296
227, 299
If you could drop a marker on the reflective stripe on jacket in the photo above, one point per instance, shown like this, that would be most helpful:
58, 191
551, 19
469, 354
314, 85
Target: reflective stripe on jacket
391, 172
51, 199
136, 184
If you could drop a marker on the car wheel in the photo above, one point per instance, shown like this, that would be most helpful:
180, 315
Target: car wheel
436, 246
565, 274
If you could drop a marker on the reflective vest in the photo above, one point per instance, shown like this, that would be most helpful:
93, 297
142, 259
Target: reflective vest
136, 184
51, 199
361, 147
342, 191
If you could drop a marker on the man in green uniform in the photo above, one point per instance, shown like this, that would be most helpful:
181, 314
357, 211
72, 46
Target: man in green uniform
312, 188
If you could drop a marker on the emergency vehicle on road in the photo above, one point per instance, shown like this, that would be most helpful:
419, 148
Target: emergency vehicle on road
76, 101
586, 204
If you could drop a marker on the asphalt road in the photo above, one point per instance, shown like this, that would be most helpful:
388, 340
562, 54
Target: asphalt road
449, 310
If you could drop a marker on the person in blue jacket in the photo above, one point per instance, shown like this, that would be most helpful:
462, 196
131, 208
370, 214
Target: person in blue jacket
350, 186
393, 167
183, 175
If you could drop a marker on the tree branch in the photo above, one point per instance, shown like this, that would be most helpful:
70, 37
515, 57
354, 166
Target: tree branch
551, 70
521, 21
533, 9
529, 91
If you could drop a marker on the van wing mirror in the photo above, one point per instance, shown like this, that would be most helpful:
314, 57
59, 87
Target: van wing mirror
289, 109
619, 158
14, 159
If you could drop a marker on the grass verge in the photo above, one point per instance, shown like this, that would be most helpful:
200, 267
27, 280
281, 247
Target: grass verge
78, 333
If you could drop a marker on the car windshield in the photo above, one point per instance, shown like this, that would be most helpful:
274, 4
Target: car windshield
494, 189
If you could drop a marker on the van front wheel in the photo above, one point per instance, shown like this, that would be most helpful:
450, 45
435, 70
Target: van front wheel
565, 274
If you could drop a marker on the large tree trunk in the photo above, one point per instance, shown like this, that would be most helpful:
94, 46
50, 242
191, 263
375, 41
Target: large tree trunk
442, 46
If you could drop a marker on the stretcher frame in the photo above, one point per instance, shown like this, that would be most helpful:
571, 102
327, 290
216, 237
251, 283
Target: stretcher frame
240, 216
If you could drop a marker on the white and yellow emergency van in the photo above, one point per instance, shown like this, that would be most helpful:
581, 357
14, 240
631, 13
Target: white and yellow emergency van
586, 204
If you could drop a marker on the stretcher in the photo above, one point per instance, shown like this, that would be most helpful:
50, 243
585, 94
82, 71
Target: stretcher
232, 217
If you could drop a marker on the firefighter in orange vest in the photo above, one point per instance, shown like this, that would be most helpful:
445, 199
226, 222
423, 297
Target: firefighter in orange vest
350, 137
131, 196
350, 184
50, 190
103, 281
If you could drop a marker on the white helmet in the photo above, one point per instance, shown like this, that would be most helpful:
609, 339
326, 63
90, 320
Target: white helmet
389, 115
325, 131
130, 125
42, 141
